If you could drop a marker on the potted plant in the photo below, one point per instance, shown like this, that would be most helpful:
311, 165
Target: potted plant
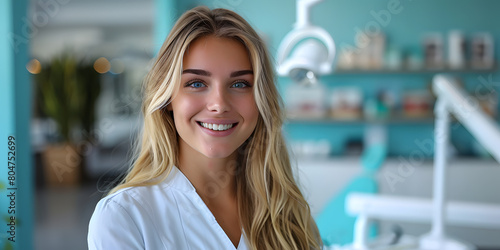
66, 92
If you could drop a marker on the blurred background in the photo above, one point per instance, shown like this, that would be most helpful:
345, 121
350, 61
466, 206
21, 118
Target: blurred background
83, 62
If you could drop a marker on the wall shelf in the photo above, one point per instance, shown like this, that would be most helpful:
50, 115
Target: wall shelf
390, 120
423, 71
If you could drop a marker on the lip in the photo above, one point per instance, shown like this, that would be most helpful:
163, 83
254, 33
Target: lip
218, 121
218, 133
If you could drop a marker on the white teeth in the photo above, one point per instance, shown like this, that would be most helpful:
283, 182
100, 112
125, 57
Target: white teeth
216, 127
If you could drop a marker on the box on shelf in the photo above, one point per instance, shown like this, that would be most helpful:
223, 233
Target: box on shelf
306, 101
417, 104
346, 104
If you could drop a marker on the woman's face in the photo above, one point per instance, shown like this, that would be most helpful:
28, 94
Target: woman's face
214, 109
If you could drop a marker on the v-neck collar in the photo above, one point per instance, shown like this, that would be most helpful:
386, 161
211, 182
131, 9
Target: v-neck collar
179, 181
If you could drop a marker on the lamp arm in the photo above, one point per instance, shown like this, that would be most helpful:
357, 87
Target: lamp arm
303, 11
467, 110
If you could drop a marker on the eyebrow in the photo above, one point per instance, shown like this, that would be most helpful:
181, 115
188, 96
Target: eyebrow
241, 72
206, 73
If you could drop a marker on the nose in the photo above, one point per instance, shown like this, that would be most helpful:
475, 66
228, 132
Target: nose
218, 101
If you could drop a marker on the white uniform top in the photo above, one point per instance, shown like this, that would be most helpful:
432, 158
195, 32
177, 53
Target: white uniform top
170, 215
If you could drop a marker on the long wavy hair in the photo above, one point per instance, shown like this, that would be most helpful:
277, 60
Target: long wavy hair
272, 210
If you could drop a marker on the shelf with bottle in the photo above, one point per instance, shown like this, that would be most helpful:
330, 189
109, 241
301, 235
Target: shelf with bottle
423, 117
416, 71
454, 52
352, 104
395, 119
344, 105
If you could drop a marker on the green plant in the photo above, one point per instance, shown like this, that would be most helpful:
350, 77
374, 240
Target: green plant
67, 90
91, 88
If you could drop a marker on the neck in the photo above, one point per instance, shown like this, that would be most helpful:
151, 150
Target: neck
214, 179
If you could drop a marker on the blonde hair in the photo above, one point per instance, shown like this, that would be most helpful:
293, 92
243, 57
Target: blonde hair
272, 210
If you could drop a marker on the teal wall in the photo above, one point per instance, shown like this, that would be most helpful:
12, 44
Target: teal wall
342, 18
15, 101
166, 12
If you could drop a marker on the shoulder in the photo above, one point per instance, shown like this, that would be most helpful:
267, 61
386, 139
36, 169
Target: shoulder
134, 201
139, 214
125, 204
142, 197
112, 222
126, 219
141, 204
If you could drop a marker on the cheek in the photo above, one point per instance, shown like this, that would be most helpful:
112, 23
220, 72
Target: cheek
250, 112
183, 108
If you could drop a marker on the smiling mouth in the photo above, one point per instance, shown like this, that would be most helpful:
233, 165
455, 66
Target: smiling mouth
217, 127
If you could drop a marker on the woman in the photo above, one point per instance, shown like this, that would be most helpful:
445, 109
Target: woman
212, 171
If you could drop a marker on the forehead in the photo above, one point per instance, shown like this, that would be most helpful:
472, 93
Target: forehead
216, 54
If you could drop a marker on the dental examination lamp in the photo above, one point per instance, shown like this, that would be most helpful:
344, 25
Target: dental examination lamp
307, 51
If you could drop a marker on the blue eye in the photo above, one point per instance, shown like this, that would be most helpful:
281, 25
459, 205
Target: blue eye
240, 85
196, 84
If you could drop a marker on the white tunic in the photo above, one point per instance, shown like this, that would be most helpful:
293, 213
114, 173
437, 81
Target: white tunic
170, 215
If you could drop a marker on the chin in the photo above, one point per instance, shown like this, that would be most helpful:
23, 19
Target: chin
217, 154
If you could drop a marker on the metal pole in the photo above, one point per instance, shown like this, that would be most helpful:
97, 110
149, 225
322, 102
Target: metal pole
441, 138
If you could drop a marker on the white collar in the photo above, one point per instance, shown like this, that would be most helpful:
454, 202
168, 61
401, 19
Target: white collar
177, 180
